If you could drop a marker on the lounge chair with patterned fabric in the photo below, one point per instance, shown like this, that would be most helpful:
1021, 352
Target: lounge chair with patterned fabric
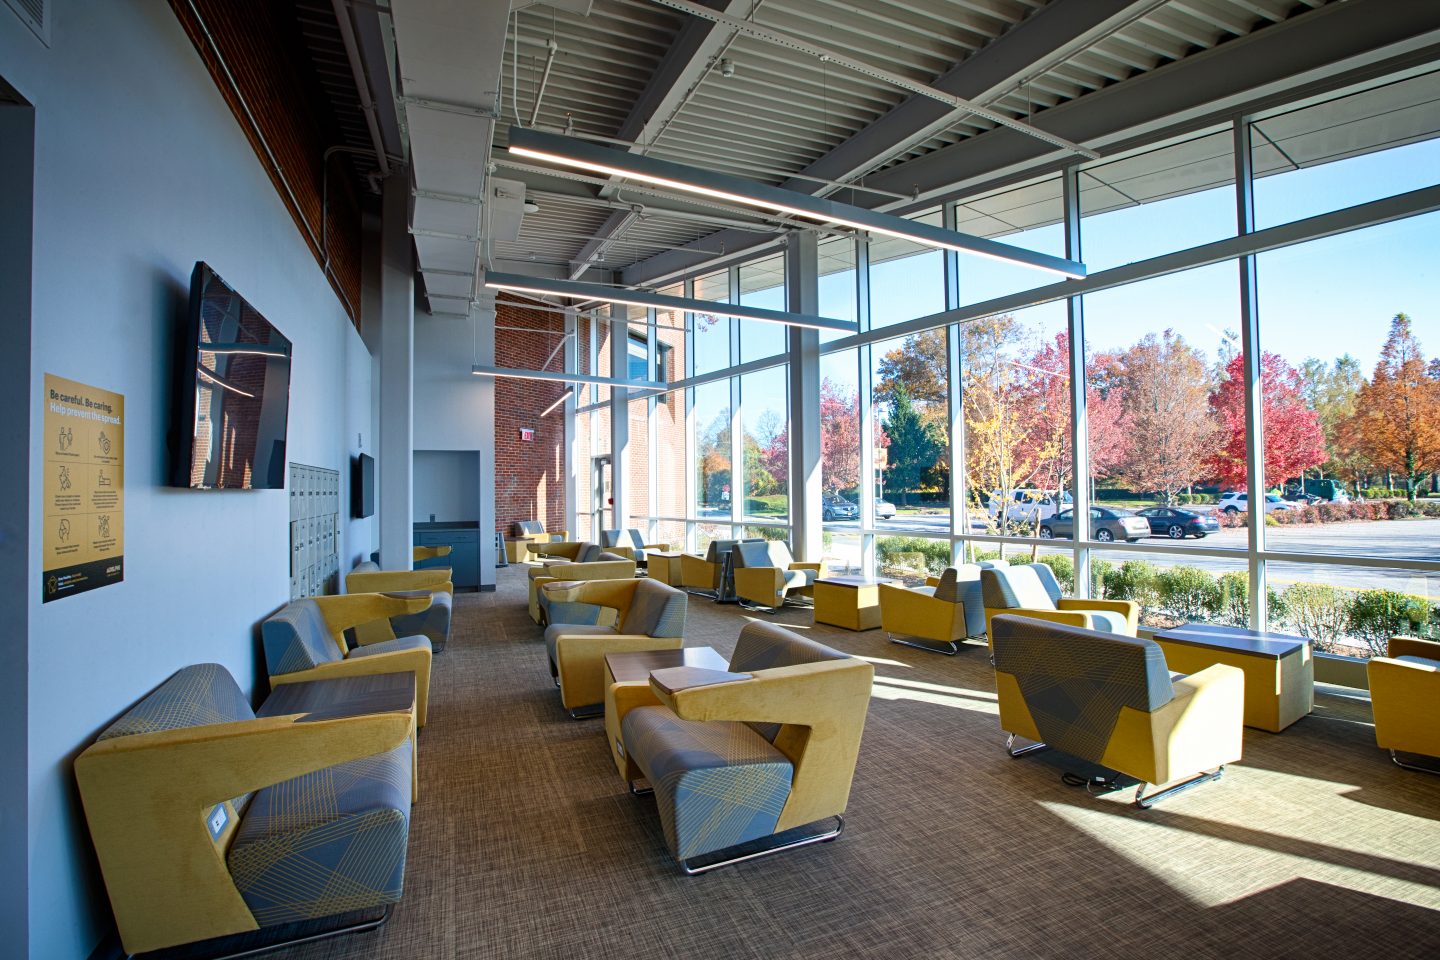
704, 574
530, 537
766, 575
1109, 699
649, 615
1031, 590
947, 612
432, 622
589, 562
630, 543
421, 554
305, 640
209, 821
746, 756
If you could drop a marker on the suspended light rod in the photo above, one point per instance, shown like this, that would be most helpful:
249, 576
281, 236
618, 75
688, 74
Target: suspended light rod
559, 376
581, 155
580, 290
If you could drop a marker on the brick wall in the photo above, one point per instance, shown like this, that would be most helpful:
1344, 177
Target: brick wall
260, 44
529, 474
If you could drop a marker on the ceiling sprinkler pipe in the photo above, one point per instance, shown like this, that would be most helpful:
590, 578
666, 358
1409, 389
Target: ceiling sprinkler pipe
552, 48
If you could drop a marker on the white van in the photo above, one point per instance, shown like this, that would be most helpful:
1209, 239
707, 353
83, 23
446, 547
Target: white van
1027, 505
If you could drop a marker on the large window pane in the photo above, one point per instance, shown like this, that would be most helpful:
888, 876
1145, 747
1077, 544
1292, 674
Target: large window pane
1031, 217
766, 446
671, 462
712, 333
1357, 148
912, 434
1350, 333
1157, 202
1353, 611
907, 280
1016, 390
638, 459
1167, 432
840, 438
911, 559
1172, 591
712, 450
838, 287
762, 284
842, 553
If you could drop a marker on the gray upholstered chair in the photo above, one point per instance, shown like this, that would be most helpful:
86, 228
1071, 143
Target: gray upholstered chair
629, 543
746, 756
432, 622
937, 616
305, 640
766, 575
705, 575
1109, 699
209, 820
650, 615
1030, 590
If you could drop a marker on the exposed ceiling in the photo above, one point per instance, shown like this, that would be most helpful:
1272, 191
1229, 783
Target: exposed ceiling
648, 78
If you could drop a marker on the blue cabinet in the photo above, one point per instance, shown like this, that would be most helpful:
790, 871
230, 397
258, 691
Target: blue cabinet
464, 558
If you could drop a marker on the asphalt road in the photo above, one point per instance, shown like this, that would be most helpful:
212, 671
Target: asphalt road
1395, 539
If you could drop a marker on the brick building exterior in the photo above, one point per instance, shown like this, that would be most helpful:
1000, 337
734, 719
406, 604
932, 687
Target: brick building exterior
529, 474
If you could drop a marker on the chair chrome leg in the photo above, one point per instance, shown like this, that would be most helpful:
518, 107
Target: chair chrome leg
1418, 768
640, 791
923, 645
823, 837
1145, 803
1031, 748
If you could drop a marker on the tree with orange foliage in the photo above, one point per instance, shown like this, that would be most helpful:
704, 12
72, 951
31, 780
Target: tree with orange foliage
1396, 423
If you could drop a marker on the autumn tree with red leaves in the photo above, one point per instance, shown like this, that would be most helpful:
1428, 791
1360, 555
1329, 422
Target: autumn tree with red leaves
1396, 423
1294, 439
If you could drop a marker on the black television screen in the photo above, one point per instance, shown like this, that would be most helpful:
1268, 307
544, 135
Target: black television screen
362, 486
232, 392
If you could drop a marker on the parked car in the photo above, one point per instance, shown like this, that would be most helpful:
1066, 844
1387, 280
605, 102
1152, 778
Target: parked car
884, 509
1237, 500
1107, 524
835, 507
1314, 489
1027, 505
1178, 524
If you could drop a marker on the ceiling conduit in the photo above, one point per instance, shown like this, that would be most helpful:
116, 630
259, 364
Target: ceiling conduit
450, 54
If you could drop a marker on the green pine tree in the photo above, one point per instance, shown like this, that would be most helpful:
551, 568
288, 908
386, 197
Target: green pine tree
914, 445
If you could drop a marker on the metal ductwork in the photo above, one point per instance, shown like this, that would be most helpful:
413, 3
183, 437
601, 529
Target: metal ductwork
450, 55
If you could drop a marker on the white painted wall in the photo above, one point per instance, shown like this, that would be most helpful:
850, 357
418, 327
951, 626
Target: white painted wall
140, 171
447, 484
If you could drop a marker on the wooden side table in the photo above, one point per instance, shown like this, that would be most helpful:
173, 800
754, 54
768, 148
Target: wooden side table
849, 602
631, 670
1279, 671
664, 565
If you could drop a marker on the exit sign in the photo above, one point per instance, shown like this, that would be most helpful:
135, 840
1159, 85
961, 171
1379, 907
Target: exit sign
527, 433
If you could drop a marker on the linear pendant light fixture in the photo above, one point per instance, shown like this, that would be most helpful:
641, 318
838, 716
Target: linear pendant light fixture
560, 376
584, 155
579, 290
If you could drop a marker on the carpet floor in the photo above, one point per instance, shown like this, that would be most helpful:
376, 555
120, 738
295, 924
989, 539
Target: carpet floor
525, 842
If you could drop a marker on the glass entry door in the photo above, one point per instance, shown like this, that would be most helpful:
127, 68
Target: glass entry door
601, 497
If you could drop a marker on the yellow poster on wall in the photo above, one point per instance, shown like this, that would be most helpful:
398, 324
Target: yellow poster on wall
84, 441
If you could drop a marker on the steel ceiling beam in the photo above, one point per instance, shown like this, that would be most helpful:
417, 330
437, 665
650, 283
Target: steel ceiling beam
696, 46
1050, 35
1324, 48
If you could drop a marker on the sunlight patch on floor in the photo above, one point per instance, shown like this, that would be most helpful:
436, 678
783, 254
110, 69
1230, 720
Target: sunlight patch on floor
893, 688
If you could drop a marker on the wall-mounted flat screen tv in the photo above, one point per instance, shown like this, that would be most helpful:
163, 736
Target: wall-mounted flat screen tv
232, 392
362, 486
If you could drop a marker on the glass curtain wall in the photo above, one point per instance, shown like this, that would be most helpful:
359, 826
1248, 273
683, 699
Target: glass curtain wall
1322, 377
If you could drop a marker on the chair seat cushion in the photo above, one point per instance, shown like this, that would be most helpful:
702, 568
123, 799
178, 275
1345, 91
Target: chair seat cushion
1420, 661
329, 842
716, 784
432, 622
797, 579
1108, 621
392, 646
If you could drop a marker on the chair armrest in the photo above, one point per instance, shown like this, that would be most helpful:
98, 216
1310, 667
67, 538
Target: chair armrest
1073, 618
627, 552
1201, 727
1129, 608
351, 610
1414, 647
202, 766
663, 547
778, 695
932, 581
382, 581
807, 565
